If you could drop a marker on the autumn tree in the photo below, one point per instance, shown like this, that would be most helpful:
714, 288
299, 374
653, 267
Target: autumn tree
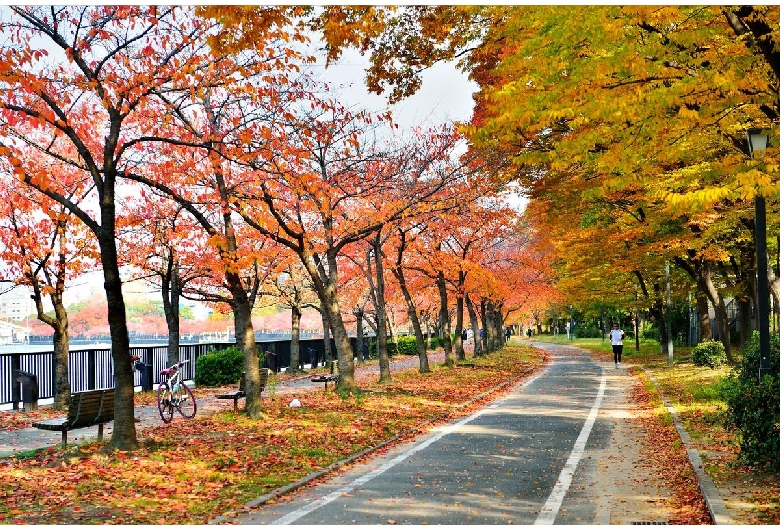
686, 83
292, 290
168, 250
45, 248
90, 80
312, 197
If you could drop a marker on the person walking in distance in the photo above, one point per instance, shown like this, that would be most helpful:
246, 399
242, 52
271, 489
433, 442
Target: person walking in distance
616, 338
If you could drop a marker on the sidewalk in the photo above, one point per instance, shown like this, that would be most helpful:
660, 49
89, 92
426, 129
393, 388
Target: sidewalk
22, 440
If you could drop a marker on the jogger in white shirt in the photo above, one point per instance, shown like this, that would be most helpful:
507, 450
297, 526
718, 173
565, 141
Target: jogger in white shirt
616, 338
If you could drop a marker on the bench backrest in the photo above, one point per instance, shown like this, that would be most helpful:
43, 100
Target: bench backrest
264, 375
91, 407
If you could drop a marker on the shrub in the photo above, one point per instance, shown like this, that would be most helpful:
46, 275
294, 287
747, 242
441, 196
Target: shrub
407, 345
754, 407
587, 331
709, 353
372, 349
219, 367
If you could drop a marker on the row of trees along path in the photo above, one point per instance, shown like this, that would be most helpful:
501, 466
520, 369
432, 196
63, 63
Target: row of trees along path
145, 136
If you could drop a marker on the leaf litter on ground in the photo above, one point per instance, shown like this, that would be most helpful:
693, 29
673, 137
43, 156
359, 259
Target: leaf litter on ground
189, 472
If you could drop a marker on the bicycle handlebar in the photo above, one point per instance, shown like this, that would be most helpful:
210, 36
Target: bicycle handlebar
173, 368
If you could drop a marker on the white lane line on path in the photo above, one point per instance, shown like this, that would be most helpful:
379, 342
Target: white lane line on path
293, 516
553, 504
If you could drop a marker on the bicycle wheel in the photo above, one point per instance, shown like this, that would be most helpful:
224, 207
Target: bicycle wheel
186, 402
164, 404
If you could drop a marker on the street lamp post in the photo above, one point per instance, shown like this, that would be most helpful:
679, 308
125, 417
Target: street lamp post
757, 141
571, 322
669, 337
636, 314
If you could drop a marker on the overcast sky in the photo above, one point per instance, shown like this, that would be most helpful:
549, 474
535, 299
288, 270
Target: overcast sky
446, 93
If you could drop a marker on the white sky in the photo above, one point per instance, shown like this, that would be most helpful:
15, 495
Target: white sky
445, 95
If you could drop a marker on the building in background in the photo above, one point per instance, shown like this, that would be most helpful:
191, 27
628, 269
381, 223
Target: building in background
15, 309
16, 304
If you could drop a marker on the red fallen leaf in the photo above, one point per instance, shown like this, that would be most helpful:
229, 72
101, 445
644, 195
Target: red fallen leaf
391, 521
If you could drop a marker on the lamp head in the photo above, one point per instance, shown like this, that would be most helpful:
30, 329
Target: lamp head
757, 140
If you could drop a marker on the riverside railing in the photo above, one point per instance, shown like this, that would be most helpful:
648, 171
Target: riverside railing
92, 368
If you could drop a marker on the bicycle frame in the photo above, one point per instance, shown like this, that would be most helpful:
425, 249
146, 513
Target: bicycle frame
174, 394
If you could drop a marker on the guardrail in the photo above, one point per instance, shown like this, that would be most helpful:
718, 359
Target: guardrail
91, 367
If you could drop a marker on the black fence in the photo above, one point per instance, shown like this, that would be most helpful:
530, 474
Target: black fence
91, 368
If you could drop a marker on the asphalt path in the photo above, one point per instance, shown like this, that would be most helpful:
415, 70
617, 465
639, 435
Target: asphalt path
513, 462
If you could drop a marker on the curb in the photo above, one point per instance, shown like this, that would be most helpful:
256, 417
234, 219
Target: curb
221, 519
717, 508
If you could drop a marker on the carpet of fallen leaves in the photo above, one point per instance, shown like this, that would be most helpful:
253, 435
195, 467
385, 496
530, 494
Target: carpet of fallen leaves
752, 495
188, 472
669, 456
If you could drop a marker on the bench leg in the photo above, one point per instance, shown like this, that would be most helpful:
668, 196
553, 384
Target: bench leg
100, 432
64, 439
235, 405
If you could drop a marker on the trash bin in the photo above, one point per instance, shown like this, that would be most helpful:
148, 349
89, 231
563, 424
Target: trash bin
272, 361
29, 384
147, 380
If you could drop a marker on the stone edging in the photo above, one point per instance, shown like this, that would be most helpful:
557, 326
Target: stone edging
718, 511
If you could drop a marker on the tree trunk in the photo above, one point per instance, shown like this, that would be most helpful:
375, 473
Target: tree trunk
61, 355
444, 318
171, 291
703, 306
494, 332
346, 357
325, 283
474, 327
124, 435
245, 341
296, 361
483, 335
361, 333
381, 315
326, 337
701, 271
721, 317
411, 311
460, 353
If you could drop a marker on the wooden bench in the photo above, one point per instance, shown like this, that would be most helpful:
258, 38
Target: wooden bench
235, 395
85, 409
327, 378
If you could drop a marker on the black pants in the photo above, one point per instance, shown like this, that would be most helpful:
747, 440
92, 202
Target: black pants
617, 350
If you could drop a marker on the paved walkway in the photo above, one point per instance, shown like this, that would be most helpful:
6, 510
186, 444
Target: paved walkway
22, 440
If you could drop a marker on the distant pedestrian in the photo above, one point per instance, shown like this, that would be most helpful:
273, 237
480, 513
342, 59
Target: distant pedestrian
465, 335
616, 338
508, 333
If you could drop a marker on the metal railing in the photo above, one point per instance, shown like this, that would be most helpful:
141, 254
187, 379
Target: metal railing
92, 368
